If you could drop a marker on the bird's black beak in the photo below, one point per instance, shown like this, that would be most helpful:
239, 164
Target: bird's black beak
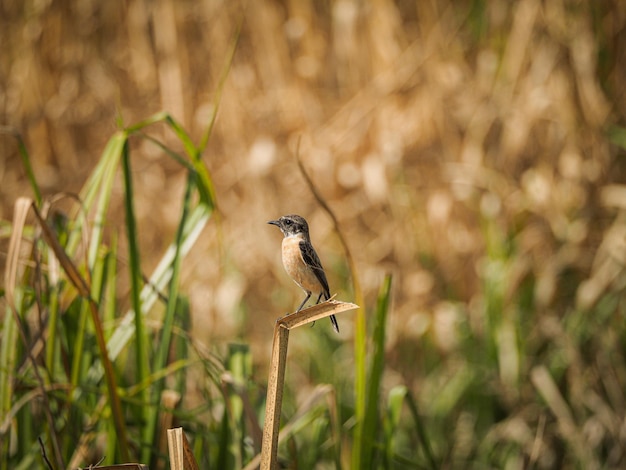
274, 222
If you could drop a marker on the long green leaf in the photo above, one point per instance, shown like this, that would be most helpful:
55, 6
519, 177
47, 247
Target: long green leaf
99, 183
111, 156
398, 396
81, 285
164, 343
161, 116
8, 353
157, 282
238, 363
421, 431
395, 400
371, 420
141, 339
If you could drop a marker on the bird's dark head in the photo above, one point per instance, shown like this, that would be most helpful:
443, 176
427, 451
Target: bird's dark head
292, 225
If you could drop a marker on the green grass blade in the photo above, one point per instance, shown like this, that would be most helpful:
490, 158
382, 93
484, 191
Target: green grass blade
239, 364
78, 346
112, 156
205, 184
360, 379
421, 431
174, 155
164, 343
371, 420
97, 286
108, 303
360, 328
141, 339
8, 352
161, 116
99, 182
182, 135
398, 396
206, 189
81, 285
158, 281
181, 343
395, 400
224, 458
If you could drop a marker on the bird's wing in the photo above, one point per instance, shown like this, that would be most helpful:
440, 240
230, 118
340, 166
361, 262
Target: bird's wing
313, 261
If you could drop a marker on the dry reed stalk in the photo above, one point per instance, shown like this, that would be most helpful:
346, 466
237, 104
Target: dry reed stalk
275, 382
181, 456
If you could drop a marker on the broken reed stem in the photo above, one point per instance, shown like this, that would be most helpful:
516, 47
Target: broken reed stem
276, 380
181, 455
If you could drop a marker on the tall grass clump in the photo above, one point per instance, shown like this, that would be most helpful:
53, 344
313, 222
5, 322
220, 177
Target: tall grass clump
94, 377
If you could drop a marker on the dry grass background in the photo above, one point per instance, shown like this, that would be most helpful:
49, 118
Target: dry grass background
420, 122
461, 145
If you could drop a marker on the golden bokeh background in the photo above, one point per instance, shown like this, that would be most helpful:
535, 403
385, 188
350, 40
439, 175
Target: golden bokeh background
460, 144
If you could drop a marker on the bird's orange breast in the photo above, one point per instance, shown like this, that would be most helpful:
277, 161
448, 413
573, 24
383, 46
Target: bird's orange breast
295, 266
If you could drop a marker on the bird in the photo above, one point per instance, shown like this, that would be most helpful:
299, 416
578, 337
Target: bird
301, 260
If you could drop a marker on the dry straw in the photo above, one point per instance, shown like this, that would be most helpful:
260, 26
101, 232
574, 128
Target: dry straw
276, 380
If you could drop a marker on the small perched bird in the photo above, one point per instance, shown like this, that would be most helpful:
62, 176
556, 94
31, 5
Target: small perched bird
301, 261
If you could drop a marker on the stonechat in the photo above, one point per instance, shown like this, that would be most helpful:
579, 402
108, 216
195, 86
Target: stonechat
301, 261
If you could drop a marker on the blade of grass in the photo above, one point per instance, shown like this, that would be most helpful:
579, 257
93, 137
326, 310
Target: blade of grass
112, 155
224, 458
78, 346
371, 420
97, 286
99, 183
205, 185
22, 207
109, 297
8, 353
170, 369
164, 343
238, 363
395, 400
162, 274
397, 397
360, 327
335, 426
81, 285
174, 155
141, 337
181, 343
311, 455
182, 135
159, 279
161, 116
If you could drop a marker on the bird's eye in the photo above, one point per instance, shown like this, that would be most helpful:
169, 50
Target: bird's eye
288, 222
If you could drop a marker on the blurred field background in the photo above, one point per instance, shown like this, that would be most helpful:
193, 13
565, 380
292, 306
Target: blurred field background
474, 150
